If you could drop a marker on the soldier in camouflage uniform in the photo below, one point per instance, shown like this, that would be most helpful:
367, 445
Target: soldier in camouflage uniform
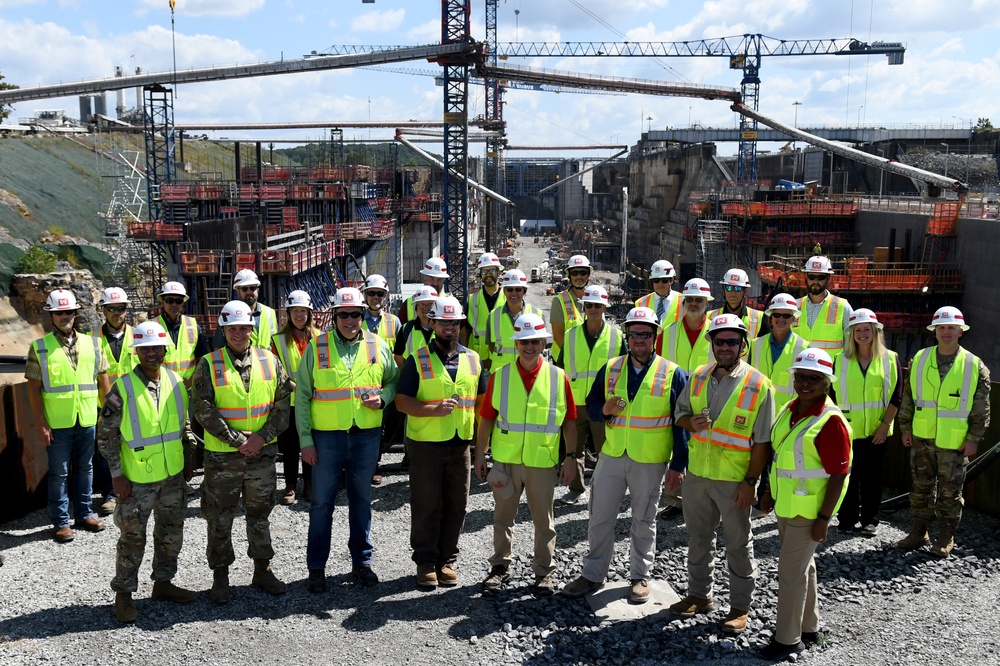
943, 417
144, 434
242, 398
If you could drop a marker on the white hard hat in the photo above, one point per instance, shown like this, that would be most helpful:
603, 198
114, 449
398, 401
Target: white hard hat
376, 281
813, 358
489, 260
736, 277
642, 316
60, 300
577, 261
864, 316
697, 287
783, 302
727, 322
818, 264
246, 278
112, 296
299, 299
348, 297
425, 293
435, 267
447, 307
173, 289
595, 293
529, 326
150, 334
948, 315
235, 313
514, 278
662, 269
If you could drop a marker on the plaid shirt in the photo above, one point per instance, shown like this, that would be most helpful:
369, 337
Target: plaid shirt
33, 369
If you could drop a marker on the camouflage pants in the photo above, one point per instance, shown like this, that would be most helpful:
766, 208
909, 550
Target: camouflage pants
167, 502
227, 476
944, 468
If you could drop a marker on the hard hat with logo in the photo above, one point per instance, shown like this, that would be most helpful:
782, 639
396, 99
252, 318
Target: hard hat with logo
514, 278
948, 315
864, 316
783, 302
530, 326
595, 293
348, 297
727, 322
173, 289
489, 260
299, 299
425, 293
435, 267
150, 334
735, 277
641, 316
662, 269
376, 281
578, 261
818, 264
60, 300
113, 296
817, 360
447, 307
235, 313
246, 278
696, 287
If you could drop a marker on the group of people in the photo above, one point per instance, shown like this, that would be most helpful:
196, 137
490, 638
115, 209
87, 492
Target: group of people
719, 407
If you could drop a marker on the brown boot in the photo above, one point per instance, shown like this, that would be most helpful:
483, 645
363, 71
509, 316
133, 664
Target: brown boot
945, 541
917, 537
124, 608
165, 590
265, 579
220, 594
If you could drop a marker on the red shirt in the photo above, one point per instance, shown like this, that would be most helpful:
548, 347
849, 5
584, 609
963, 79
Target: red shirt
528, 377
833, 443
693, 333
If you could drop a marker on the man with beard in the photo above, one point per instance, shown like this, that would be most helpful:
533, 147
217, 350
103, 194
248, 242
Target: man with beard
663, 300
265, 319
736, 283
433, 274
567, 309
685, 342
824, 315
482, 303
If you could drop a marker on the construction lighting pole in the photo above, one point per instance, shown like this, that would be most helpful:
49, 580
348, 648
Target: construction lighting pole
947, 152
968, 152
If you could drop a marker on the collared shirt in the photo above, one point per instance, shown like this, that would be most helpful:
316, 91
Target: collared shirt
556, 311
777, 347
412, 327
409, 376
33, 369
832, 444
115, 340
591, 340
372, 322
979, 415
813, 310
719, 391
528, 377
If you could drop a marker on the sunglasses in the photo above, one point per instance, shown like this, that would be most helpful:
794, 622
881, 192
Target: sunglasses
808, 380
662, 280
592, 306
517, 290
348, 315
490, 271
782, 315
727, 342
376, 294
115, 309
640, 335
448, 323
245, 290
818, 278
64, 313
173, 301
580, 272
693, 299
533, 341
730, 287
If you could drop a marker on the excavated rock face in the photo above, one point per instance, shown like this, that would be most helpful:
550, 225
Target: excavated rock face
29, 291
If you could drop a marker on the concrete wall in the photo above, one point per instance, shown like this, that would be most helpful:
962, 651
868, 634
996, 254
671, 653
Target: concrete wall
978, 249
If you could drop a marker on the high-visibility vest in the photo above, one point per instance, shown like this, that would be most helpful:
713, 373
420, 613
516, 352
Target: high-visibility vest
864, 397
411, 307
289, 355
244, 410
673, 344
502, 330
572, 317
436, 385
673, 312
416, 340
942, 408
337, 391
827, 332
777, 371
582, 363
798, 479
479, 313
179, 356
526, 431
126, 360
752, 320
152, 449
267, 328
388, 328
722, 452
68, 394
643, 429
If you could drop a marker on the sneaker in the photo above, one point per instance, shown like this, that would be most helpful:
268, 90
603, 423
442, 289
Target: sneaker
498, 577
639, 594
869, 530
735, 622
776, 651
364, 575
447, 576
288, 497
107, 506
544, 587
845, 527
580, 587
671, 512
92, 524
691, 605
317, 581
426, 576
572, 497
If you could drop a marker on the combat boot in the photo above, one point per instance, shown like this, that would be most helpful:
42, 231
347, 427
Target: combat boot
124, 608
945, 541
916, 538
165, 590
220, 594
265, 579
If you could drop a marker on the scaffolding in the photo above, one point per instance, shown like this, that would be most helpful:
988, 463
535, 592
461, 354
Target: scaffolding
713, 252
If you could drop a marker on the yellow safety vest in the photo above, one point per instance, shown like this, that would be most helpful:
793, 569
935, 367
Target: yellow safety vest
152, 449
289, 355
864, 397
416, 340
69, 395
643, 429
436, 385
582, 363
244, 411
942, 408
266, 328
798, 479
337, 391
722, 452
751, 320
411, 307
673, 313
527, 426
479, 314
179, 356
777, 371
126, 360
388, 328
677, 348
502, 330
827, 332
572, 317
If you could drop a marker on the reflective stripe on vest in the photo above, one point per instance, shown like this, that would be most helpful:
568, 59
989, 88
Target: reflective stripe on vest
479, 312
777, 371
66, 403
179, 356
127, 359
435, 385
337, 392
502, 329
855, 388
680, 351
147, 425
582, 363
673, 312
532, 439
266, 328
289, 355
416, 340
942, 408
243, 409
827, 332
751, 320
643, 428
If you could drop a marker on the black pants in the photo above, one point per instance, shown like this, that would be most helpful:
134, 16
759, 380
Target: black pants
864, 489
439, 491
288, 444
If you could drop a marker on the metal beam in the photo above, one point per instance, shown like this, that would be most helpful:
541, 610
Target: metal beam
563, 181
439, 164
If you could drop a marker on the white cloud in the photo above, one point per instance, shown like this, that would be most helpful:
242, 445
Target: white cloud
953, 45
425, 33
230, 8
379, 21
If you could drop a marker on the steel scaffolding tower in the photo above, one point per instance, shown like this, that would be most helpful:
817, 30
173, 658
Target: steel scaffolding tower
713, 251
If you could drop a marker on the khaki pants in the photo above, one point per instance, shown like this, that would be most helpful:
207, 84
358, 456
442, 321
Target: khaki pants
538, 484
598, 434
798, 609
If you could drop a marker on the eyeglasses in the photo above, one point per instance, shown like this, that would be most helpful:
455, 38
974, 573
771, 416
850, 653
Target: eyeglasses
173, 301
640, 335
823, 277
694, 299
662, 280
808, 380
593, 306
782, 315
448, 323
579, 272
532, 341
727, 342
244, 290
490, 271
349, 315
730, 287
115, 309
516, 290
376, 294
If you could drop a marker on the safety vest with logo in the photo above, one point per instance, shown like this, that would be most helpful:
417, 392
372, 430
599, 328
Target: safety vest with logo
863, 397
435, 385
722, 452
338, 392
643, 429
777, 371
289, 355
673, 343
582, 363
180, 355
127, 359
502, 334
152, 449
827, 332
68, 394
572, 317
942, 408
267, 328
798, 479
527, 426
751, 320
673, 312
479, 314
244, 411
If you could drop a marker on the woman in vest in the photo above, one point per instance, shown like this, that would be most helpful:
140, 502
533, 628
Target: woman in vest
774, 352
417, 332
869, 392
289, 345
812, 458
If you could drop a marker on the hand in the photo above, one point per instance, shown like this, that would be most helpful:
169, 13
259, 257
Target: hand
253, 445
907, 439
881, 433
700, 422
446, 406
568, 472
673, 480
309, 455
744, 495
611, 406
121, 486
766, 502
188, 473
292, 381
969, 449
46, 434
373, 401
480, 466
820, 528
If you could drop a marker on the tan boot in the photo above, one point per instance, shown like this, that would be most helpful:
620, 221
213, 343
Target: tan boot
945, 541
220, 594
124, 608
916, 538
265, 579
166, 591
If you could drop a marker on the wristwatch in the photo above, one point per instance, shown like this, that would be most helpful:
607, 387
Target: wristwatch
574, 455
750, 481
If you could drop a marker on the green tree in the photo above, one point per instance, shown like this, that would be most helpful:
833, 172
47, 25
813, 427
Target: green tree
5, 109
36, 260
984, 125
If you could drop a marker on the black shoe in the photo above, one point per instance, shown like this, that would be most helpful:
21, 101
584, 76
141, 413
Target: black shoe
364, 575
845, 527
498, 577
317, 581
776, 651
671, 512
811, 638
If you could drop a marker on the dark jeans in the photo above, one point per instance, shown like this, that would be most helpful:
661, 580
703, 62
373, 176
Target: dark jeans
439, 492
288, 445
70, 453
864, 488
102, 476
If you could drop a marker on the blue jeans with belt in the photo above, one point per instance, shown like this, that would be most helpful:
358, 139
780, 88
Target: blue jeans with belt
70, 452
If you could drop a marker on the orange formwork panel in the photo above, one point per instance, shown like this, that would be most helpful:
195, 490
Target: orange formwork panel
275, 262
199, 263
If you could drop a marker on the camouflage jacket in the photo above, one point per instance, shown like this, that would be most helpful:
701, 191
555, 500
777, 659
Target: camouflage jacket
979, 417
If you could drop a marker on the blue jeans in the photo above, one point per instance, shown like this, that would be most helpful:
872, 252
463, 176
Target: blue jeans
71, 449
336, 451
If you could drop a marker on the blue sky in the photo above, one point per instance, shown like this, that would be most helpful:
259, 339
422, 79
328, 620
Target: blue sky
951, 71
